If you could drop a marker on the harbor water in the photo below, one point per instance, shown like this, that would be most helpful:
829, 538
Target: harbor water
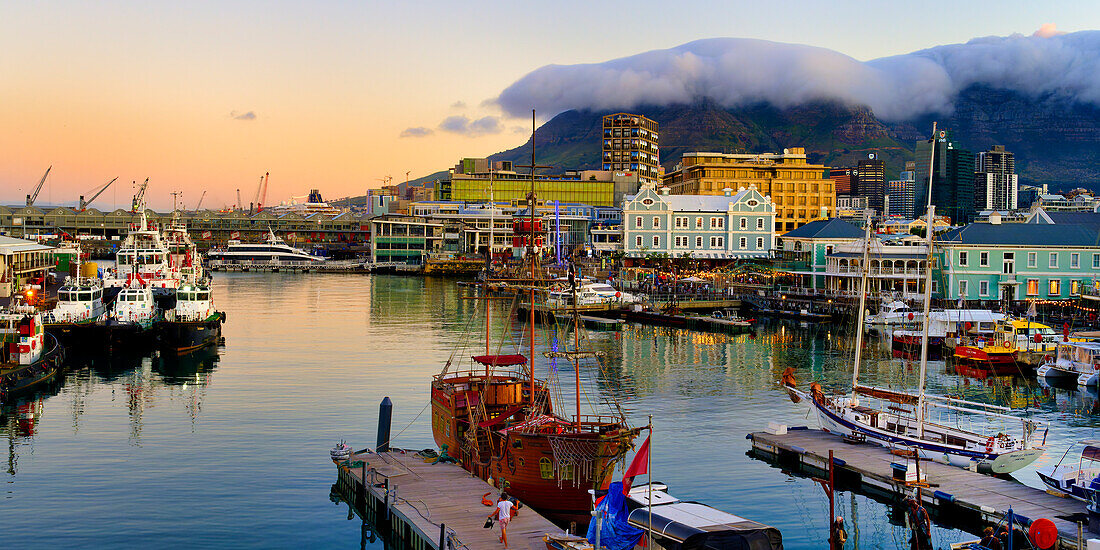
229, 447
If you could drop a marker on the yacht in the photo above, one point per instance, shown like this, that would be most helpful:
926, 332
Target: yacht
1073, 360
1078, 480
273, 251
588, 293
892, 314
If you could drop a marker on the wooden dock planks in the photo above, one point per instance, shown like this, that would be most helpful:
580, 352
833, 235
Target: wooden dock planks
428, 495
987, 495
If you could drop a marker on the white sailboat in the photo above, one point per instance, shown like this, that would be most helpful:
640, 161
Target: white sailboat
902, 420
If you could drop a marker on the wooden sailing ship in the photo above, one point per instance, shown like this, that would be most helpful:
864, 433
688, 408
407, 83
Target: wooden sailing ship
499, 421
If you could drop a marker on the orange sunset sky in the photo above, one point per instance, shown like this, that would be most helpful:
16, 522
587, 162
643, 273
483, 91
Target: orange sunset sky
209, 95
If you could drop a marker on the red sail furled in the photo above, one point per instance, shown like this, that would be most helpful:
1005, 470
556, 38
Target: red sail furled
889, 395
638, 466
500, 360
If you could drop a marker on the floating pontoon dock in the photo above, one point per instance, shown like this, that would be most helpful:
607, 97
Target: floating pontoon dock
968, 498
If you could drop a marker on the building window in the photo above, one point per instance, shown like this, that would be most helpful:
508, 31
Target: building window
1053, 259
742, 243
1032, 261
698, 242
983, 288
638, 241
1055, 287
681, 241
1075, 287
1096, 261
963, 259
1033, 287
962, 289
744, 223
717, 242
656, 241
638, 222
1074, 260
983, 259
656, 222
716, 223
699, 223
682, 222
760, 243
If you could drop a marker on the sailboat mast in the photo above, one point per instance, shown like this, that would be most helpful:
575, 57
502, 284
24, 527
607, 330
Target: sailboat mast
862, 304
576, 346
927, 290
531, 252
489, 260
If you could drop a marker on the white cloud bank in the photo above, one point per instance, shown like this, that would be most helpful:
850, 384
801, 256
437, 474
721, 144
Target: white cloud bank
739, 71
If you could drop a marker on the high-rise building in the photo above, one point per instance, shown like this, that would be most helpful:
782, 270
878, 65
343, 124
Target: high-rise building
630, 144
802, 192
901, 197
995, 180
952, 178
871, 181
842, 180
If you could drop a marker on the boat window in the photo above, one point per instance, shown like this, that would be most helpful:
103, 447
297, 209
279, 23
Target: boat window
62, 296
204, 296
85, 296
546, 469
566, 471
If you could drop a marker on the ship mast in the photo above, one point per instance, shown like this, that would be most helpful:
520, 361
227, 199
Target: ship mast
862, 305
532, 258
927, 290
576, 345
488, 264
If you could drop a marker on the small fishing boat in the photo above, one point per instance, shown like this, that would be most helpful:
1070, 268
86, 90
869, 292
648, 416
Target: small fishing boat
566, 542
1078, 480
678, 523
1078, 361
29, 356
996, 354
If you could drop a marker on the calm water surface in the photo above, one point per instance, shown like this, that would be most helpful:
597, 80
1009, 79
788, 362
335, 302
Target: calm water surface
229, 448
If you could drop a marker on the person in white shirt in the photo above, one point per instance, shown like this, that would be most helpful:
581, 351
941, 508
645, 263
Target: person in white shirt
503, 513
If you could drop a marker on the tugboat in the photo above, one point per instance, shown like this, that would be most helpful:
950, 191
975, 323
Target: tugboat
80, 305
28, 357
193, 323
132, 321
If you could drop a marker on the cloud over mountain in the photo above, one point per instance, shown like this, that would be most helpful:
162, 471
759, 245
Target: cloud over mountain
462, 124
736, 72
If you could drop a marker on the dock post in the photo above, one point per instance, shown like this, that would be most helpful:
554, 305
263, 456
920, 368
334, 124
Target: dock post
386, 499
442, 536
385, 412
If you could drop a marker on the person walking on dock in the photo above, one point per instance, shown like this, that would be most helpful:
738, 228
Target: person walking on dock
921, 525
503, 512
838, 536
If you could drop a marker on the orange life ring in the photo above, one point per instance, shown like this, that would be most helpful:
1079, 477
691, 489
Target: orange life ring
989, 445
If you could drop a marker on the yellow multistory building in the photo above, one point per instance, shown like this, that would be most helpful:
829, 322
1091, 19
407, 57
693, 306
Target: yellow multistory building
802, 192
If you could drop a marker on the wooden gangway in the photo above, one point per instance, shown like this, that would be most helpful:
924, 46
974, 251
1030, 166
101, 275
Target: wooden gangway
422, 503
967, 499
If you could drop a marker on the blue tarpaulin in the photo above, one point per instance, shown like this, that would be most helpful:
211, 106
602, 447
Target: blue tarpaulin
615, 532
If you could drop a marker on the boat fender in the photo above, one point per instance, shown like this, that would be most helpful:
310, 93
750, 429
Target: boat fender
989, 445
946, 497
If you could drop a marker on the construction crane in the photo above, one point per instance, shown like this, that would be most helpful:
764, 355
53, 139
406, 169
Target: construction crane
199, 205
41, 182
84, 203
139, 197
261, 193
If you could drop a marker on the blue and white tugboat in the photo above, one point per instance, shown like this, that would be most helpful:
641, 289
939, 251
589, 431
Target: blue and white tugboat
29, 357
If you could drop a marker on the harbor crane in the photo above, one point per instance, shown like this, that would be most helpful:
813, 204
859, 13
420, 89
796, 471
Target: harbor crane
31, 197
199, 205
84, 203
261, 193
139, 197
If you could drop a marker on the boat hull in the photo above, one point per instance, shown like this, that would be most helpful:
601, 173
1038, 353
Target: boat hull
997, 463
24, 379
183, 337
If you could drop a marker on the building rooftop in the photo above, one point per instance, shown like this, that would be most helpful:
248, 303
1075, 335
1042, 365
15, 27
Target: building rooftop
832, 228
1022, 235
11, 245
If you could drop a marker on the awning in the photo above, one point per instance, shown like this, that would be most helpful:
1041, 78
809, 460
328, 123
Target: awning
500, 360
502, 417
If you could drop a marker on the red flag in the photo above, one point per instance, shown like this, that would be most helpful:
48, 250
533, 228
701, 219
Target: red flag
638, 466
